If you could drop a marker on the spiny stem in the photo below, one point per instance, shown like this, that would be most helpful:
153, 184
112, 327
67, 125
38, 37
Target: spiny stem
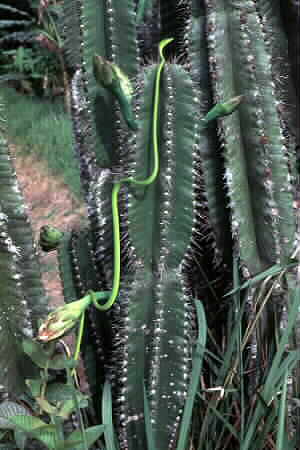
145, 182
142, 6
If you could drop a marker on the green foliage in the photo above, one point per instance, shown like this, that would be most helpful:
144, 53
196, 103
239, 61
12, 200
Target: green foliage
23, 299
43, 129
160, 225
187, 169
32, 48
57, 400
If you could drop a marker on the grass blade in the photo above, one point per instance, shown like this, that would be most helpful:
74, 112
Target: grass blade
280, 445
109, 434
195, 378
271, 272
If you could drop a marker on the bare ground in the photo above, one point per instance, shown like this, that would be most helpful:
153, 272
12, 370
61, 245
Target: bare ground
50, 202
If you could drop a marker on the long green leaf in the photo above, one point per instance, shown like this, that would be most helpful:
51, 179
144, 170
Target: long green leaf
9, 409
271, 272
109, 434
280, 444
92, 434
195, 378
13, 10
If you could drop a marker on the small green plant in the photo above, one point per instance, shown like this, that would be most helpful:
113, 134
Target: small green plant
33, 49
52, 404
180, 208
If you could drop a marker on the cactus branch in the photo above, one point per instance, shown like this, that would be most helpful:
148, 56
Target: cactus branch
116, 189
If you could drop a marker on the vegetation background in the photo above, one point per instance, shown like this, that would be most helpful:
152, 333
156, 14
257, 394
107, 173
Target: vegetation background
40, 135
34, 86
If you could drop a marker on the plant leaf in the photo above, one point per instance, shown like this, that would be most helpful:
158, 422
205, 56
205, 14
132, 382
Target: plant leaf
27, 423
20, 438
92, 434
9, 409
195, 377
35, 351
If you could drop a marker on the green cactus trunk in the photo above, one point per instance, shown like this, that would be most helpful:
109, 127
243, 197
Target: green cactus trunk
22, 297
228, 48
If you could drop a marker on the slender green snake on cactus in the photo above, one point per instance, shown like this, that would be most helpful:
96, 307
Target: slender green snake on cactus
145, 182
216, 111
221, 109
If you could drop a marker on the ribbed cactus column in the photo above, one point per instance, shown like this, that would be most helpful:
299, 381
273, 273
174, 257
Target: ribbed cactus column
22, 297
155, 345
211, 196
257, 144
151, 323
257, 173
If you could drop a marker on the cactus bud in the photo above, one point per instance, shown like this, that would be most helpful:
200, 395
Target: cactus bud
50, 238
63, 319
223, 109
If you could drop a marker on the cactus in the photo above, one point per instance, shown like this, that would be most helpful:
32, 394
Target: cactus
152, 323
148, 334
185, 162
23, 299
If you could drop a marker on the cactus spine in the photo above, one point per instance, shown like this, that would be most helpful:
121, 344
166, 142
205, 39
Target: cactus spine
149, 331
23, 299
232, 183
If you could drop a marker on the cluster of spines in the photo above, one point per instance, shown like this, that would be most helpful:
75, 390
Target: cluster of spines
123, 311
13, 205
15, 315
212, 233
83, 130
245, 24
86, 276
167, 185
100, 216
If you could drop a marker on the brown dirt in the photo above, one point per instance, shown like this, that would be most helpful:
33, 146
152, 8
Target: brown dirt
49, 202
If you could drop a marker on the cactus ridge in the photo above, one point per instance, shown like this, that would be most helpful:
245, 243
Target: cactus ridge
211, 194
13, 205
218, 188
72, 32
83, 130
263, 158
95, 340
128, 358
276, 42
66, 268
15, 319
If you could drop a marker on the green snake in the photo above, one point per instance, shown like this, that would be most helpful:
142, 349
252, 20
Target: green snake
219, 110
117, 186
